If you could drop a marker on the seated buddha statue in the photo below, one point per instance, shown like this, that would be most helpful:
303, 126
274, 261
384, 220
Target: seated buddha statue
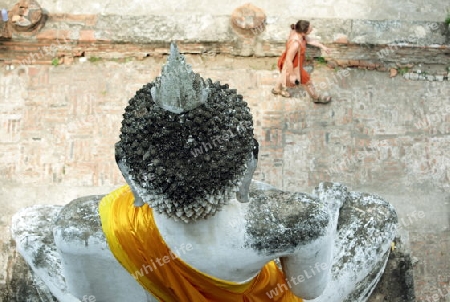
192, 225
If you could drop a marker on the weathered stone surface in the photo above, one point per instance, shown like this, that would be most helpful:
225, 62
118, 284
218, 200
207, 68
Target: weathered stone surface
26, 15
392, 72
374, 139
25, 19
23, 285
296, 218
81, 243
248, 16
427, 44
366, 227
37, 246
371, 10
397, 32
397, 282
56, 245
248, 21
178, 89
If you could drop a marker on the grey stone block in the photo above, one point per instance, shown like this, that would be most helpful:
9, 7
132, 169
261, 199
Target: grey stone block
414, 76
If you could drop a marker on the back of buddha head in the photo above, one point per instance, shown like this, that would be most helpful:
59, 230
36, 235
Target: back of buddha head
185, 142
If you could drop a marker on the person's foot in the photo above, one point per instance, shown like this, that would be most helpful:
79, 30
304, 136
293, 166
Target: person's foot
322, 99
281, 92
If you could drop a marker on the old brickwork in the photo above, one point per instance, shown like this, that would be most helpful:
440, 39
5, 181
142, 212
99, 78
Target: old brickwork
384, 135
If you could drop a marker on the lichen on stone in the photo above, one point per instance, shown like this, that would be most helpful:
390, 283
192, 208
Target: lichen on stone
281, 221
79, 219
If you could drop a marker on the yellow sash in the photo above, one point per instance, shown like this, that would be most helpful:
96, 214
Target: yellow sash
135, 241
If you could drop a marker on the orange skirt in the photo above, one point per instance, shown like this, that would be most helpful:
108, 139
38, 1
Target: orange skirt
298, 61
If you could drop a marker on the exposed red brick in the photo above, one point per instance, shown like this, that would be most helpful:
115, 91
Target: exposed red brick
392, 72
77, 53
248, 16
68, 60
161, 50
63, 34
32, 71
331, 64
342, 62
87, 35
47, 62
91, 20
48, 34
24, 34
57, 17
341, 39
75, 17
104, 40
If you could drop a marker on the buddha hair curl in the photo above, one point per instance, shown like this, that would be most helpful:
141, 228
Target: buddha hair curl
186, 165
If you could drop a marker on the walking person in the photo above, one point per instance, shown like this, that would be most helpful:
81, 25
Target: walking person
292, 61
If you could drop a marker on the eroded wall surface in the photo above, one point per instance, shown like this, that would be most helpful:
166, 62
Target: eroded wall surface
343, 9
388, 136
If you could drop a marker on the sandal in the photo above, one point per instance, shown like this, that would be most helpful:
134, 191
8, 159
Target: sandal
322, 99
281, 92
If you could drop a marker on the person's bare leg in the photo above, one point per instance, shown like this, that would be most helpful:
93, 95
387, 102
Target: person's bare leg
279, 89
310, 89
279, 84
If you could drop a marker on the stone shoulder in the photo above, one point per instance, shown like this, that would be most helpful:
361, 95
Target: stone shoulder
80, 219
278, 222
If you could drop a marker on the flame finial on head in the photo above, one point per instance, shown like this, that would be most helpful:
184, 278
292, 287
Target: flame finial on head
178, 89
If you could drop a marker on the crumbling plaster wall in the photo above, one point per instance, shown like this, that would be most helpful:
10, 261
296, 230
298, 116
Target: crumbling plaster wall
417, 10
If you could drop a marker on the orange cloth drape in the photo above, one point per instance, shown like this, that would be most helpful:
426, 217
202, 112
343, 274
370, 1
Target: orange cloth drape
298, 60
136, 243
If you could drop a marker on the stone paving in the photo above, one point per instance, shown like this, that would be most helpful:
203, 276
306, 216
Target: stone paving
390, 136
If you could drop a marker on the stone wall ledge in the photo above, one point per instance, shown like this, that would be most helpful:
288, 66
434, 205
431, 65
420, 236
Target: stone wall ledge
360, 43
201, 27
375, 57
